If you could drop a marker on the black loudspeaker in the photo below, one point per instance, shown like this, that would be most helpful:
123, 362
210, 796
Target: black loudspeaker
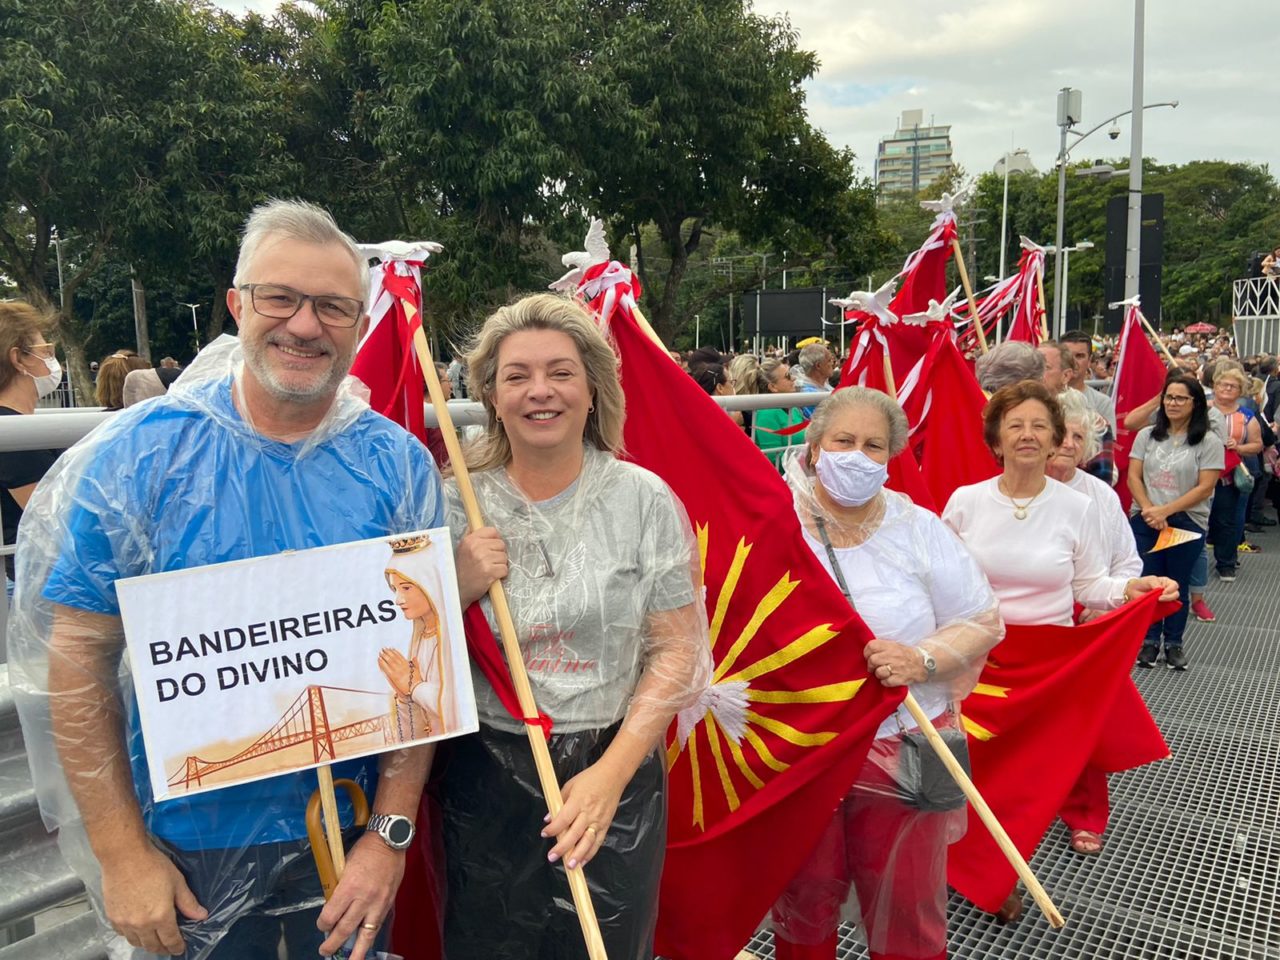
1151, 261
794, 313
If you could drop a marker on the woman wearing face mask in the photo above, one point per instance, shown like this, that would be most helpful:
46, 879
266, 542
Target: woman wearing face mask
28, 371
934, 618
1039, 542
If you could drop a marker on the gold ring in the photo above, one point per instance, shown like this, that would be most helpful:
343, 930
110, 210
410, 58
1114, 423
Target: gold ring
592, 829
368, 926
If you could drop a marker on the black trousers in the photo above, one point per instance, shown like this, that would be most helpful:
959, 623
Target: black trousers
504, 900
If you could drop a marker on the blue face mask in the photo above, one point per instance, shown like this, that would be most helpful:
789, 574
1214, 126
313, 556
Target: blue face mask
850, 477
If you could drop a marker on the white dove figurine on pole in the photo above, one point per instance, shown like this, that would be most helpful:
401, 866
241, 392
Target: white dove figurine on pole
400, 249
948, 202
937, 311
1134, 301
876, 303
597, 251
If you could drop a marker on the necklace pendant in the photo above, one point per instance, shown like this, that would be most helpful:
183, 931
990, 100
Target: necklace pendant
1020, 513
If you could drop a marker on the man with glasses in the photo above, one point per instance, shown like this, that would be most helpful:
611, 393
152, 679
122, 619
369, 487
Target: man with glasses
258, 449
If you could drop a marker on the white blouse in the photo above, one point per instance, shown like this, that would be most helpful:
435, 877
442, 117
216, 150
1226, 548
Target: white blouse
1038, 566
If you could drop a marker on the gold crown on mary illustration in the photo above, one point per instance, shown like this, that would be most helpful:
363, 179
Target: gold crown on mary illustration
401, 545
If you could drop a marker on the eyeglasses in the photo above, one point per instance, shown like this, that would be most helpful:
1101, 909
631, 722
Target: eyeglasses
282, 303
43, 351
1174, 398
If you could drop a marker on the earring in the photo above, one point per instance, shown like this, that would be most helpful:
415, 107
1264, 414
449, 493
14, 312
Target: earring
591, 409
498, 418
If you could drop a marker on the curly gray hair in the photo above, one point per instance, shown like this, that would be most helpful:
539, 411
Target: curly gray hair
1010, 362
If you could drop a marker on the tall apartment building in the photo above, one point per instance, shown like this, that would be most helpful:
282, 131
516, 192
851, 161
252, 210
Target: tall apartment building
914, 156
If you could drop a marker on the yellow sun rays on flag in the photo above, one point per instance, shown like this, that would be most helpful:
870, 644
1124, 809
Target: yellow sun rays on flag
734, 684
971, 726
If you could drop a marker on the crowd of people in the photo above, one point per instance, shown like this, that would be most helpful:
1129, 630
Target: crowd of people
258, 432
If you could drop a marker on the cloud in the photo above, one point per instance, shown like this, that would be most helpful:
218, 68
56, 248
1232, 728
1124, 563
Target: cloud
993, 69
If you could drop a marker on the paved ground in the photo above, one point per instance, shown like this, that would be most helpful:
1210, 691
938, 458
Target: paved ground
1191, 868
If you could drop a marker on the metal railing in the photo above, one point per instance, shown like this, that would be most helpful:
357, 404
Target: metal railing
1255, 312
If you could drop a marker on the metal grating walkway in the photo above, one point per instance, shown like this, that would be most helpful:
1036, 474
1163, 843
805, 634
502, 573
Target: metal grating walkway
1191, 864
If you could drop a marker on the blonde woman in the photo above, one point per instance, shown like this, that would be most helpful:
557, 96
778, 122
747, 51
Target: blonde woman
600, 568
422, 704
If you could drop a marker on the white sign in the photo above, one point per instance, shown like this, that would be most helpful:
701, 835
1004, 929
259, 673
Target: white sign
254, 668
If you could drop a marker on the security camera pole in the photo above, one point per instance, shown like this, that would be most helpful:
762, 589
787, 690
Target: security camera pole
1069, 113
1069, 110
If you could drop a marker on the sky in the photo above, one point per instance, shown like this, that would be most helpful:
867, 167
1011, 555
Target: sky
992, 70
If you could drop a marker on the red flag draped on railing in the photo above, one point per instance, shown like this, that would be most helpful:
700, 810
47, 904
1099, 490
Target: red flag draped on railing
760, 762
1043, 710
1140, 375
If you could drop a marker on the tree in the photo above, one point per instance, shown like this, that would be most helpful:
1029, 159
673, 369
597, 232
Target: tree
701, 121
150, 151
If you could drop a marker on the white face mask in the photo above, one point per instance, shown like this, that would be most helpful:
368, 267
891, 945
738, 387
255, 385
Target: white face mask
850, 477
47, 383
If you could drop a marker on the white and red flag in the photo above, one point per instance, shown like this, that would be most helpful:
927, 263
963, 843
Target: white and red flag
385, 359
1029, 317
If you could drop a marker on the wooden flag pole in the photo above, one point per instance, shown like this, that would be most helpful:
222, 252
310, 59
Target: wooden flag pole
1044, 316
985, 814
888, 378
1156, 337
968, 293
515, 660
966, 785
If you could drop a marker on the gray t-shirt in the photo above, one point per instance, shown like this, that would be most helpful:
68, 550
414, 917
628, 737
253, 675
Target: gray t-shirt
586, 568
1171, 468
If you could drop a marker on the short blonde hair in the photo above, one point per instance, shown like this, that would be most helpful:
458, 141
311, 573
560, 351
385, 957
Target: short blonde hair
545, 311
1232, 371
21, 325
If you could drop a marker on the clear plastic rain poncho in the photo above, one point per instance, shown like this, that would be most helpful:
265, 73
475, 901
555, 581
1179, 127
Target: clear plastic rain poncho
175, 482
603, 586
913, 582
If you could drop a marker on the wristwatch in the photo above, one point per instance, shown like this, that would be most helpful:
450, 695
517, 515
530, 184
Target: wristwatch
396, 831
930, 664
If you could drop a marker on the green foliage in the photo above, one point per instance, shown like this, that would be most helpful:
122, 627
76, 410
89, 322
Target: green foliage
1216, 215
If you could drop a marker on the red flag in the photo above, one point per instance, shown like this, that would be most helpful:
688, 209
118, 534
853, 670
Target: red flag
905, 478
760, 764
386, 361
924, 278
1039, 715
1028, 320
948, 409
1140, 375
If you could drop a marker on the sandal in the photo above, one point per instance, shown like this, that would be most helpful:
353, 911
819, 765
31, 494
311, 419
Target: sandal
1086, 842
1011, 910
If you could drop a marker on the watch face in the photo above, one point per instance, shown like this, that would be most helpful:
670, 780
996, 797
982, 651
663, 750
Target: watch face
399, 831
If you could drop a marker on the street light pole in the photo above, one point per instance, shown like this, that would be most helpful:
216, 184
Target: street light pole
1068, 117
1004, 217
1133, 240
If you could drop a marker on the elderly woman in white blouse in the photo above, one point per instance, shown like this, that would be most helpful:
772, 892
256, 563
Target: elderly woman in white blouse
934, 618
1040, 543
1088, 807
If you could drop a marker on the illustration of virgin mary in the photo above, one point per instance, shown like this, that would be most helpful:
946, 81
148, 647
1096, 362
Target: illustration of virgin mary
422, 696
